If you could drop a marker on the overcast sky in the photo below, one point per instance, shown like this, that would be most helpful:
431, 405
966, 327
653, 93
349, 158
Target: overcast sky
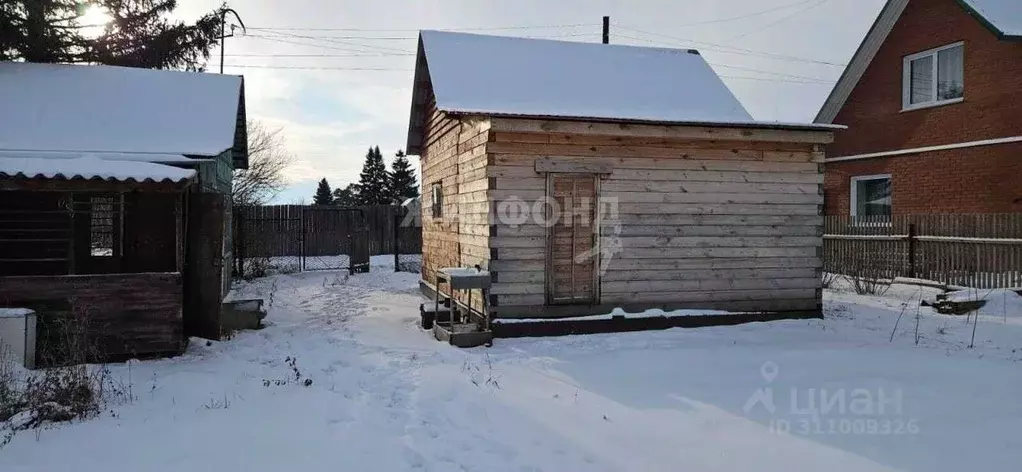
779, 57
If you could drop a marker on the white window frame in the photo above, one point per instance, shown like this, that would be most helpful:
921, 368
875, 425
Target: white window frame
852, 203
906, 78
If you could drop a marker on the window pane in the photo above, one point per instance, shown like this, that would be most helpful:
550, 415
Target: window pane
101, 226
951, 73
873, 197
921, 80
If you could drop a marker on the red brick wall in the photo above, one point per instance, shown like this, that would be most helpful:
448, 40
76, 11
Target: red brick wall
975, 180
972, 180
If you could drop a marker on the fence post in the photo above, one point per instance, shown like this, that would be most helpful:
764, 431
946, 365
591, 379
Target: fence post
239, 240
912, 250
397, 237
301, 247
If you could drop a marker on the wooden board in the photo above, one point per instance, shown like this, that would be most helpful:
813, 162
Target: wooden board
665, 131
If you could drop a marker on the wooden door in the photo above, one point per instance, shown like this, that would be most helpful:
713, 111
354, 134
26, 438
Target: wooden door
204, 260
572, 243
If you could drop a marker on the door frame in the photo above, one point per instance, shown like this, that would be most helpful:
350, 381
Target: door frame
597, 256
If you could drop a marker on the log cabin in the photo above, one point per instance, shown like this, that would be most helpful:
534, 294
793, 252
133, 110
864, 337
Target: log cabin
588, 177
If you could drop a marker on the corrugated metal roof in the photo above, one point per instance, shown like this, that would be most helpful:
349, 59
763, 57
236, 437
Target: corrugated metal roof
89, 167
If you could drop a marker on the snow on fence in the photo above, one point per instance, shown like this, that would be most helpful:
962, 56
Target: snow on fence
978, 250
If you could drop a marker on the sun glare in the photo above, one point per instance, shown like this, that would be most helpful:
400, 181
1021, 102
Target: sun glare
94, 21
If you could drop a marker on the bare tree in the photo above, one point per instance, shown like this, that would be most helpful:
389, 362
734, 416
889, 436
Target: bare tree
267, 159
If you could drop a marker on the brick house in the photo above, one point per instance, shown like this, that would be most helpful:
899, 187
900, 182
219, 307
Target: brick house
933, 104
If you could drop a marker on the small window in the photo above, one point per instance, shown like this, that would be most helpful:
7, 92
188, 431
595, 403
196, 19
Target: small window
934, 77
871, 196
101, 226
438, 201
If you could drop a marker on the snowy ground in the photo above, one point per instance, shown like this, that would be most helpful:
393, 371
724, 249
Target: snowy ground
386, 397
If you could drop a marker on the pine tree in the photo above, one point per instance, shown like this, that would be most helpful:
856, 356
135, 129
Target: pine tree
347, 196
403, 184
140, 33
374, 182
323, 194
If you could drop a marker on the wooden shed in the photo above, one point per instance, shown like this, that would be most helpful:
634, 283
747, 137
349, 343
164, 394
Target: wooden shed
113, 205
587, 177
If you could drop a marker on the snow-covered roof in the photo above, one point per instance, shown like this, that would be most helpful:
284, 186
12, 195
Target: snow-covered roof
520, 77
1005, 16
60, 107
92, 167
1002, 17
106, 156
474, 73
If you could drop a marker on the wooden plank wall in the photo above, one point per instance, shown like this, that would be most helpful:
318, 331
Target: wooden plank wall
719, 224
125, 315
454, 156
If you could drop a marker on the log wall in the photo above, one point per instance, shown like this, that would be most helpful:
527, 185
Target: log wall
700, 217
453, 156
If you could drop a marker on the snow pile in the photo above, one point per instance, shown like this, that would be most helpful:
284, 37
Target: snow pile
60, 107
15, 312
997, 301
91, 167
1005, 15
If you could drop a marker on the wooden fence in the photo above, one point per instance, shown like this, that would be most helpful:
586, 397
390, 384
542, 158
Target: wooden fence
980, 250
302, 231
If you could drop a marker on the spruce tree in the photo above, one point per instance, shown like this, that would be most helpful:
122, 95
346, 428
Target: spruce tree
140, 33
403, 184
374, 182
323, 194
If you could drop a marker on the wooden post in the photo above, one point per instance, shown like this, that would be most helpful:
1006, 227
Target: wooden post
301, 230
606, 30
912, 250
239, 240
397, 237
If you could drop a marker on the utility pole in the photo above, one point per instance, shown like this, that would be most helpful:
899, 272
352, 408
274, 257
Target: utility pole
223, 32
606, 30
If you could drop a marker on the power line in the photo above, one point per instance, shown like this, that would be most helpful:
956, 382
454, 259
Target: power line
394, 69
371, 30
742, 17
721, 47
781, 74
342, 42
376, 69
368, 54
316, 45
768, 79
780, 20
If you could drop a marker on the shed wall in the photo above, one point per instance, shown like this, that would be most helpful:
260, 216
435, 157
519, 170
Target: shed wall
453, 156
125, 315
686, 223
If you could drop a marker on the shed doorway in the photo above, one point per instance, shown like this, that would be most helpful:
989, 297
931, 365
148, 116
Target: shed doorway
572, 240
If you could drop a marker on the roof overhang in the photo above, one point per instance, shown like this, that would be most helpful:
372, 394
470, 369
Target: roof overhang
421, 93
990, 25
627, 121
860, 61
240, 149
